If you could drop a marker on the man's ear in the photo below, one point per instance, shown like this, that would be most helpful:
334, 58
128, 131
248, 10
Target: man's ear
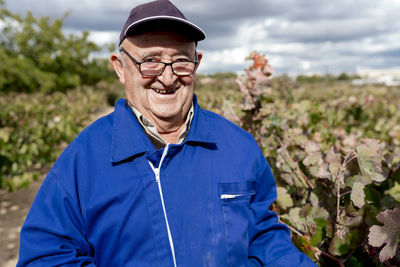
116, 62
199, 57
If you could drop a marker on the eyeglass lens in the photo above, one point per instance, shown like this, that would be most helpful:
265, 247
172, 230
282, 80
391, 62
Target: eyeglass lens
157, 68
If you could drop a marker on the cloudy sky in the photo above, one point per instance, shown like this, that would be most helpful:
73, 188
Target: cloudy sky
297, 36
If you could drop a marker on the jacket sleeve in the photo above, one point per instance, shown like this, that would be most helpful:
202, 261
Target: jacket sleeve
54, 231
270, 242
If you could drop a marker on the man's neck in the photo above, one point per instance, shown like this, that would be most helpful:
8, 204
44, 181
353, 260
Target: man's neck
164, 125
171, 137
168, 130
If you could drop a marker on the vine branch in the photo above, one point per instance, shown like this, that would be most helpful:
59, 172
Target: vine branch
325, 254
298, 172
339, 179
293, 229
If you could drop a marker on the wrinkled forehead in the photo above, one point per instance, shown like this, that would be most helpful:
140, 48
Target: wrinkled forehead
160, 39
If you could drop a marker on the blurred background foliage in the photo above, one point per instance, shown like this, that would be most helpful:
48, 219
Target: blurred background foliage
50, 85
37, 56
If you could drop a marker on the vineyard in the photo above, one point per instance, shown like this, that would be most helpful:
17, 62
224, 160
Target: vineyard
334, 148
335, 153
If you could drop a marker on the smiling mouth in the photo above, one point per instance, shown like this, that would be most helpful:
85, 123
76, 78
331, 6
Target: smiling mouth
165, 91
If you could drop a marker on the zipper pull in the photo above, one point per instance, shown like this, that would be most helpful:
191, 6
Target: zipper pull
157, 173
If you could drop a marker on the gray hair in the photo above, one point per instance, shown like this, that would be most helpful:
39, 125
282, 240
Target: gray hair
121, 57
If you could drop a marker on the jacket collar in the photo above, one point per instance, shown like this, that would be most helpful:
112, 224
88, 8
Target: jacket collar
200, 130
129, 139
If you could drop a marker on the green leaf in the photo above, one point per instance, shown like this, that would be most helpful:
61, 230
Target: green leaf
329, 229
369, 157
370, 168
394, 192
344, 241
352, 219
304, 245
5, 134
284, 200
311, 147
365, 180
386, 234
314, 199
317, 212
318, 231
334, 167
354, 262
288, 178
372, 195
358, 195
312, 158
294, 218
294, 136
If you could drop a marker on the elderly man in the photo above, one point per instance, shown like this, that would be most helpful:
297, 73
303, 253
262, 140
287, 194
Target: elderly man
160, 181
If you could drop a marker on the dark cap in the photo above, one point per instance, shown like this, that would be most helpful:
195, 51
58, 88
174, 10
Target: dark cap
160, 15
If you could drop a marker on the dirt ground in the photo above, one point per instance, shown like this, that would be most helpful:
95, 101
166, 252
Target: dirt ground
14, 206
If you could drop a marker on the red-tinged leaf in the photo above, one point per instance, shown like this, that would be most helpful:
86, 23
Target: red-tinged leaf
387, 234
323, 172
242, 88
229, 112
268, 70
259, 61
311, 147
260, 79
334, 161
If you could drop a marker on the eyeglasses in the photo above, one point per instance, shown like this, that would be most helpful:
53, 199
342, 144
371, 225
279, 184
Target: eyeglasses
155, 68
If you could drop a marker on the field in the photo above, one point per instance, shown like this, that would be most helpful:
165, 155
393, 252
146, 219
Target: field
334, 149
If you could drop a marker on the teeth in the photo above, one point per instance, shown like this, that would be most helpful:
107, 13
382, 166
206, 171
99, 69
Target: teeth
168, 91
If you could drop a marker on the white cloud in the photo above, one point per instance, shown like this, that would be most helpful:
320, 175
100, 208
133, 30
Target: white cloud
296, 35
224, 60
104, 37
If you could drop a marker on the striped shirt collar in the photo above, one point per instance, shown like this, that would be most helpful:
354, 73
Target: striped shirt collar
152, 132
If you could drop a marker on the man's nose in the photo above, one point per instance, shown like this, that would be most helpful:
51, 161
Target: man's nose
167, 77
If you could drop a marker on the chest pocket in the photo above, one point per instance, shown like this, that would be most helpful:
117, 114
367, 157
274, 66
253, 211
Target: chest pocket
235, 202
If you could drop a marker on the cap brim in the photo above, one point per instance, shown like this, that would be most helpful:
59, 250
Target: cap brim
181, 26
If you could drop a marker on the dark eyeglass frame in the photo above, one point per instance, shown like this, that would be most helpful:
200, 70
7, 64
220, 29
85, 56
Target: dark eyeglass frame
165, 65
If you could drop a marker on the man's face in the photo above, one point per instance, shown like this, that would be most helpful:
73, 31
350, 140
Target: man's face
166, 97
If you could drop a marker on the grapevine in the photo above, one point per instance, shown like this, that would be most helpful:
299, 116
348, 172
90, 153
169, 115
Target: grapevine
336, 165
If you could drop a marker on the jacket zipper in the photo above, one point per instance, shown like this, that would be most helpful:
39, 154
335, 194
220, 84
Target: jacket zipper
157, 174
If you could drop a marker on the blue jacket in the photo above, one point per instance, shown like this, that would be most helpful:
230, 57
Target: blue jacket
112, 199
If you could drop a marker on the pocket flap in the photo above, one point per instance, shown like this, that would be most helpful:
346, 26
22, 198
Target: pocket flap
236, 189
